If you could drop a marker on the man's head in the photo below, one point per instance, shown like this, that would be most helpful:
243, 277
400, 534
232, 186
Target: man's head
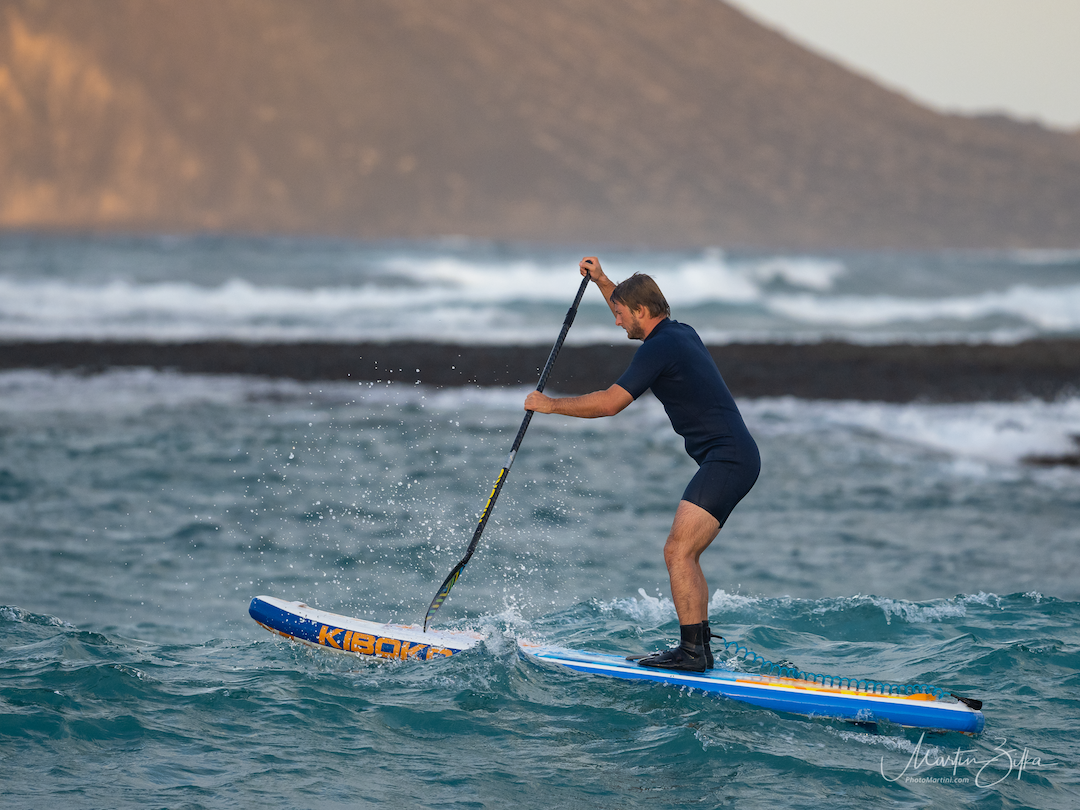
635, 299
641, 291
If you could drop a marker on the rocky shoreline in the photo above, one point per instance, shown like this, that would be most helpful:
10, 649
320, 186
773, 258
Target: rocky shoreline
1043, 369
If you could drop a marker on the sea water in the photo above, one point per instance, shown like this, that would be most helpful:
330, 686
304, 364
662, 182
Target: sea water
196, 288
140, 511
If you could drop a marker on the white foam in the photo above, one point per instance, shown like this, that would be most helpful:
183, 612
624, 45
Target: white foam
910, 612
710, 277
899, 744
1046, 308
707, 280
424, 294
12, 613
970, 434
994, 432
915, 612
239, 310
1041, 257
648, 611
813, 274
236, 309
713, 279
653, 611
449, 278
135, 390
409, 296
721, 600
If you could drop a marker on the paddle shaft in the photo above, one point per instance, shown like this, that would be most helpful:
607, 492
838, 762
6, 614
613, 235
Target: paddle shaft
450, 580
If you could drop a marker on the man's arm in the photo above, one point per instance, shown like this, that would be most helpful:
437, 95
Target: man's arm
589, 406
590, 266
598, 403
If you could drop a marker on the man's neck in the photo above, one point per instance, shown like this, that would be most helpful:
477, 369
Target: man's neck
650, 324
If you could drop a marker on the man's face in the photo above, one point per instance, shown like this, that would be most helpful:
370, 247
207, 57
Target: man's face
628, 320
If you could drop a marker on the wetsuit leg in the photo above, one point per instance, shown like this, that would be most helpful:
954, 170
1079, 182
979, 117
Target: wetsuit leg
719, 485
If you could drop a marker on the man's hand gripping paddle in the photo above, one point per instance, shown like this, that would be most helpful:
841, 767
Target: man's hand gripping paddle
449, 582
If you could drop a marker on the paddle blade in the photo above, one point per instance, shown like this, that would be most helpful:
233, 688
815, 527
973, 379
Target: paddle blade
444, 591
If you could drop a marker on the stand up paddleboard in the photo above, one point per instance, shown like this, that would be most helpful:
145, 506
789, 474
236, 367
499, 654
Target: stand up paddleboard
921, 707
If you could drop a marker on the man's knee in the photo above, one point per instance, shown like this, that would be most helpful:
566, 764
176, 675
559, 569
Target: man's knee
680, 549
691, 532
671, 552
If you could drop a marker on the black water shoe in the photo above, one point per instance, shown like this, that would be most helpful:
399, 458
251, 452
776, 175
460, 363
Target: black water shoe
706, 635
689, 656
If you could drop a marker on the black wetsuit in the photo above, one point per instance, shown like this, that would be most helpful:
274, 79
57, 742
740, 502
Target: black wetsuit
675, 364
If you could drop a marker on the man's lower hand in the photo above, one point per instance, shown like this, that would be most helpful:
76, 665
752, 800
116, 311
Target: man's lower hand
541, 403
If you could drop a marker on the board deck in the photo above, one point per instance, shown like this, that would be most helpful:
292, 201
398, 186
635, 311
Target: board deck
297, 621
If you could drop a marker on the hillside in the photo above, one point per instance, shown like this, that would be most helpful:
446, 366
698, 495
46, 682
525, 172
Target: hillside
657, 122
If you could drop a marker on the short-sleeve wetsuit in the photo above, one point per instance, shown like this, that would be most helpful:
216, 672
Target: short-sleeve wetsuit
675, 364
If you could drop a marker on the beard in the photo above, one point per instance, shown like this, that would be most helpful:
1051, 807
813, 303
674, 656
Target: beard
634, 330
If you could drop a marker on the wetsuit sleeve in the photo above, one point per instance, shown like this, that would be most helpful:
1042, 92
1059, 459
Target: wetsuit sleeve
647, 365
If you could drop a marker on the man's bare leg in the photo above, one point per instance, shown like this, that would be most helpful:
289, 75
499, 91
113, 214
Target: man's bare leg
691, 533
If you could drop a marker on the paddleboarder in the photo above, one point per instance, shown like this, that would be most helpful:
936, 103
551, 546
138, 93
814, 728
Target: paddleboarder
674, 363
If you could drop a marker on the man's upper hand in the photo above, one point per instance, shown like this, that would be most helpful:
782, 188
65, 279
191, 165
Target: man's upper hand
590, 266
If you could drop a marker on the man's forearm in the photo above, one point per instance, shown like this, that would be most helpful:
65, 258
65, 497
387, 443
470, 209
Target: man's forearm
588, 406
606, 286
591, 265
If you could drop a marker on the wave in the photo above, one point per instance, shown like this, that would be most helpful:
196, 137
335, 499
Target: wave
227, 290
11, 614
214, 707
405, 297
654, 611
991, 432
1001, 433
709, 278
1049, 309
477, 311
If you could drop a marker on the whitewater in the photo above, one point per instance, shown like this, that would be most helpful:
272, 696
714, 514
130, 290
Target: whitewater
204, 288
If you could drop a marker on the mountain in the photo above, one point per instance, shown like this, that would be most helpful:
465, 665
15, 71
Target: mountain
635, 122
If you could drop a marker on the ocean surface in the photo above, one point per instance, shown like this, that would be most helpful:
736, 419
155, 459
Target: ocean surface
141, 510
197, 288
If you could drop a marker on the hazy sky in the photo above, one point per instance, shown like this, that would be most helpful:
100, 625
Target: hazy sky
1021, 57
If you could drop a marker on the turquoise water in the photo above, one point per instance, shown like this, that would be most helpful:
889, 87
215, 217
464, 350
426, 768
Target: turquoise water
140, 511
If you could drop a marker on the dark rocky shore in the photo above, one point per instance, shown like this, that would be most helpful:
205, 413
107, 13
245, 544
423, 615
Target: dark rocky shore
1044, 369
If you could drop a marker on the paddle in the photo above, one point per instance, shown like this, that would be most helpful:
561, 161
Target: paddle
449, 582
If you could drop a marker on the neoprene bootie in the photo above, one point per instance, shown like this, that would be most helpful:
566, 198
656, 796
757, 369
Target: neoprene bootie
689, 656
706, 636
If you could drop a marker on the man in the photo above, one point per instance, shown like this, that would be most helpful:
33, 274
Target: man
675, 364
